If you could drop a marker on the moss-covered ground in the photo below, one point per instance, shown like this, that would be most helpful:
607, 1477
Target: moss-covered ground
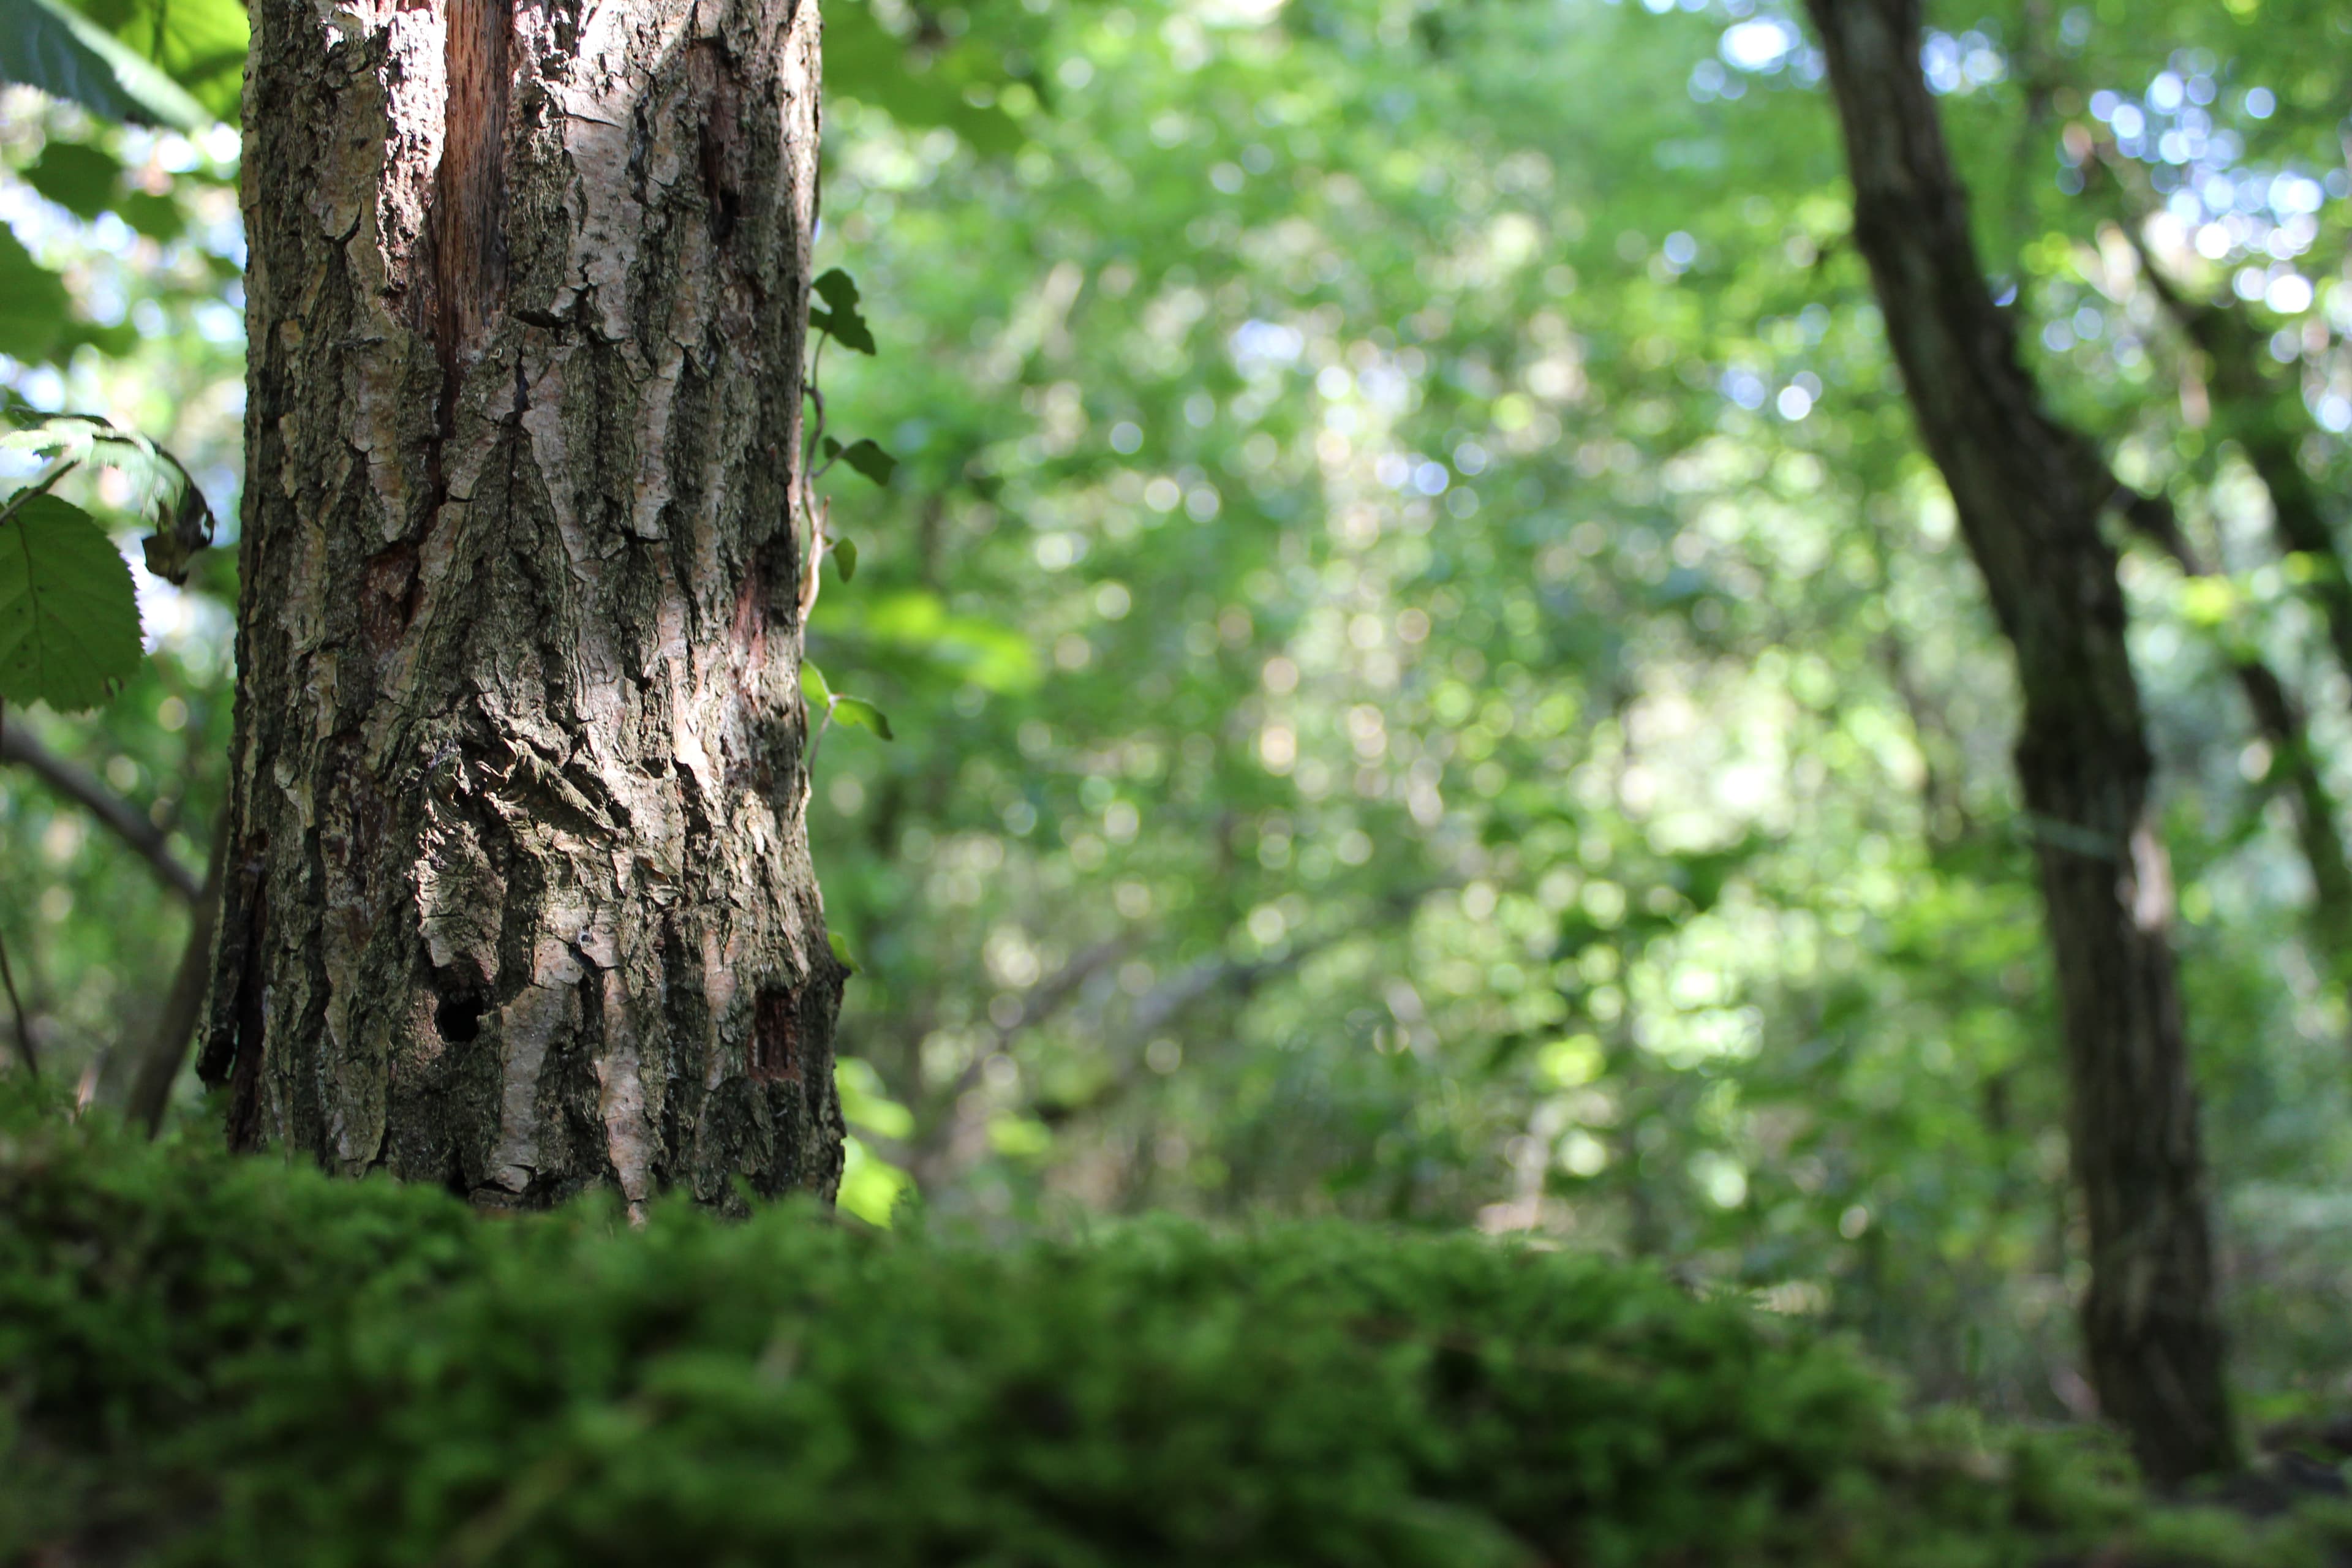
215, 1360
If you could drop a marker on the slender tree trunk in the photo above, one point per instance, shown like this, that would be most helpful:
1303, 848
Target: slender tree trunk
518, 898
2151, 1333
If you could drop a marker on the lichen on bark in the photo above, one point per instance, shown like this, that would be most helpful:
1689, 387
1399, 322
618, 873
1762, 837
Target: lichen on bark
519, 898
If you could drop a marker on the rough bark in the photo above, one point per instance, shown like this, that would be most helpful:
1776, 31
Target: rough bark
2151, 1334
519, 897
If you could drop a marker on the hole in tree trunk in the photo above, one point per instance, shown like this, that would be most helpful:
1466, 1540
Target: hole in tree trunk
458, 1013
459, 1019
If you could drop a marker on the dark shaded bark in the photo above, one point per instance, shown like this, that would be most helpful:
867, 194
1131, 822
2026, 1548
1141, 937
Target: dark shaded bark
2151, 1333
519, 897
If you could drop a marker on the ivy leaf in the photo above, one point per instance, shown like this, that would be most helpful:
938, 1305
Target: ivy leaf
863, 714
813, 688
69, 617
844, 550
49, 46
871, 460
839, 314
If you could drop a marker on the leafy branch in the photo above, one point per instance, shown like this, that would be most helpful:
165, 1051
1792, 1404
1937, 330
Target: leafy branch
68, 614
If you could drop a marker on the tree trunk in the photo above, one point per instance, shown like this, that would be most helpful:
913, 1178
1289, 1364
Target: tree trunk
2151, 1333
519, 898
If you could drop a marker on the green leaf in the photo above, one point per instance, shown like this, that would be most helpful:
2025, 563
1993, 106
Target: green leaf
839, 313
844, 550
45, 45
870, 459
32, 301
841, 951
863, 714
69, 617
81, 179
199, 44
918, 85
813, 688
158, 217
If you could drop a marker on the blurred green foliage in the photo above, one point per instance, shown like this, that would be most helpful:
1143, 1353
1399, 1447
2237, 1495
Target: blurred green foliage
1430, 680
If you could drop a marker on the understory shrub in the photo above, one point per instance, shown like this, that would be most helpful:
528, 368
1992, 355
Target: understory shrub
207, 1359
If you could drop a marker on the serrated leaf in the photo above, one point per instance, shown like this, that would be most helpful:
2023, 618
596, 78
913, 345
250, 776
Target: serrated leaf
47, 45
844, 552
863, 714
813, 688
868, 459
82, 179
68, 617
839, 313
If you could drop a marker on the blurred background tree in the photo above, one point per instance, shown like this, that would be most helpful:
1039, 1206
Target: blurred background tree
1431, 679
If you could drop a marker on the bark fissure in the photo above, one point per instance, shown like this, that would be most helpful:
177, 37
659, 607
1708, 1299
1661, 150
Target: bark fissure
520, 748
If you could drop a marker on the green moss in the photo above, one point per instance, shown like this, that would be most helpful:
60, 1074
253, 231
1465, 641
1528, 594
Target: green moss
210, 1360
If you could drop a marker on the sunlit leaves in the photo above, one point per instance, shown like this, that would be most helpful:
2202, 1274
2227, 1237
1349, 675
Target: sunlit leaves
863, 715
47, 45
826, 705
200, 44
68, 619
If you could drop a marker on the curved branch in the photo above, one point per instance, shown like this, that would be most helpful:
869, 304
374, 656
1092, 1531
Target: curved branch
122, 818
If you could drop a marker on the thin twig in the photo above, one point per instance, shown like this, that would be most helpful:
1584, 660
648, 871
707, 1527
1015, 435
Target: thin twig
16, 1006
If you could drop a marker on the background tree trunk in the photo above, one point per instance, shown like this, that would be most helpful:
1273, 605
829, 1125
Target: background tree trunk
518, 898
2030, 512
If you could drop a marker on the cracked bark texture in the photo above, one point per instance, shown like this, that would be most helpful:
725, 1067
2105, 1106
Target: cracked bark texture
519, 897
2031, 508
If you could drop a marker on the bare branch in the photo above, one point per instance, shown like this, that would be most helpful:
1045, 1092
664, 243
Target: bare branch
126, 821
